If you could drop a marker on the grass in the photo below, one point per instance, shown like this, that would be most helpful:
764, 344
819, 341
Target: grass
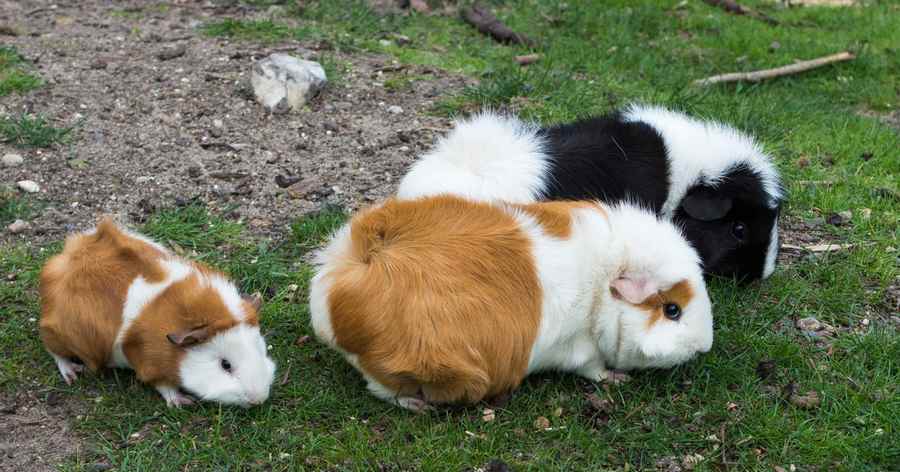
596, 56
14, 74
31, 131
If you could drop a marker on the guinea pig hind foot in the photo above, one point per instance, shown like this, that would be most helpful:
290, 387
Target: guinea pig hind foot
173, 397
416, 404
68, 368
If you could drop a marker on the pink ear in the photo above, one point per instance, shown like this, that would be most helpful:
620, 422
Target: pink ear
633, 290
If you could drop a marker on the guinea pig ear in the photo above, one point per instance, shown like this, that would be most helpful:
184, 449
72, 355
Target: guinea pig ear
189, 338
633, 290
254, 300
706, 205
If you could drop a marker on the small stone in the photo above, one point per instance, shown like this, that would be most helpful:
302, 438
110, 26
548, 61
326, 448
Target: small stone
541, 423
305, 187
99, 467
17, 226
496, 465
194, 172
809, 324
77, 164
401, 40
98, 64
840, 218
12, 160
218, 123
330, 126
28, 186
774, 46
285, 181
765, 369
171, 52
282, 82
384, 42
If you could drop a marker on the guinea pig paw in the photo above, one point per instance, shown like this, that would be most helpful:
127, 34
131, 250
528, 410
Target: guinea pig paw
416, 405
174, 398
68, 369
594, 372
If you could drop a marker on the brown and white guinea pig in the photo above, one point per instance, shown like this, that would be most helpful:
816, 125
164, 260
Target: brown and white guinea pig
712, 180
444, 300
113, 298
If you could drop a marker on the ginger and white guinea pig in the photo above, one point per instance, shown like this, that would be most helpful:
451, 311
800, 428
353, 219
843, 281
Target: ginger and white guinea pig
712, 180
113, 298
445, 300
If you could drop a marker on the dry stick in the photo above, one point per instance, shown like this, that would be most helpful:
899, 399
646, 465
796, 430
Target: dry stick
527, 59
759, 75
488, 24
735, 8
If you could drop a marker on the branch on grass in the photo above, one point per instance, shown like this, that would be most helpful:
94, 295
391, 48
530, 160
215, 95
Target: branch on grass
759, 75
737, 9
488, 24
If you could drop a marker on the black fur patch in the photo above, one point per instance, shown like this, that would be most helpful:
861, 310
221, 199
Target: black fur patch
607, 159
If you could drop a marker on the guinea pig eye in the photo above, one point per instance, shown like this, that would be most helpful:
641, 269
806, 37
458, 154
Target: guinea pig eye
739, 230
226, 366
672, 311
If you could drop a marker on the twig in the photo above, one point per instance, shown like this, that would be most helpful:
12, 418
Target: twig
759, 75
527, 59
488, 24
737, 9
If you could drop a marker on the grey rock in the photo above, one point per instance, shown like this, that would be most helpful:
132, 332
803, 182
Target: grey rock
28, 186
17, 227
394, 109
809, 324
284, 83
12, 159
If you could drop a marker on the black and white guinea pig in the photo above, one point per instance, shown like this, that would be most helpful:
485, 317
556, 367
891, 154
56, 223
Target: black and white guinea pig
712, 180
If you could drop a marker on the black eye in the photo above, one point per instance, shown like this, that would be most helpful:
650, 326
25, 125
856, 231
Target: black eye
226, 366
739, 230
672, 311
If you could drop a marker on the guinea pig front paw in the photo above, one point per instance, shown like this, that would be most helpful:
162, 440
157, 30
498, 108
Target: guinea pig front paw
173, 397
595, 372
68, 369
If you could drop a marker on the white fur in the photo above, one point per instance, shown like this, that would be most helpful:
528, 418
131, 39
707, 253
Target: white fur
487, 157
140, 294
703, 151
771, 253
252, 371
583, 328
230, 296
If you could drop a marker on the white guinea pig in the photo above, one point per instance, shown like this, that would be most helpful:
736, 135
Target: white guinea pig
443, 300
116, 299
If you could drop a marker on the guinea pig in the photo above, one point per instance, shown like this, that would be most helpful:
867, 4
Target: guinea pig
114, 298
712, 180
447, 300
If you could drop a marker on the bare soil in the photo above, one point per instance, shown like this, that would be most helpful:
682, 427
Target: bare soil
145, 128
35, 434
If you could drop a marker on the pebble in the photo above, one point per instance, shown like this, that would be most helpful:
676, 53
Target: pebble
17, 227
28, 186
171, 52
395, 109
11, 159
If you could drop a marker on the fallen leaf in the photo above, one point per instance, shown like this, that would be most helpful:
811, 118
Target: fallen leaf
809, 401
809, 324
599, 404
825, 247
541, 423
765, 369
488, 415
301, 340
691, 460
558, 412
731, 406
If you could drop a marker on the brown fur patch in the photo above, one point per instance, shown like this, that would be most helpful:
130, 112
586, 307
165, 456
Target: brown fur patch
439, 296
183, 306
679, 294
83, 290
556, 217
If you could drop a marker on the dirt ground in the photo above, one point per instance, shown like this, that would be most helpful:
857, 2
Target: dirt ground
152, 132
34, 431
